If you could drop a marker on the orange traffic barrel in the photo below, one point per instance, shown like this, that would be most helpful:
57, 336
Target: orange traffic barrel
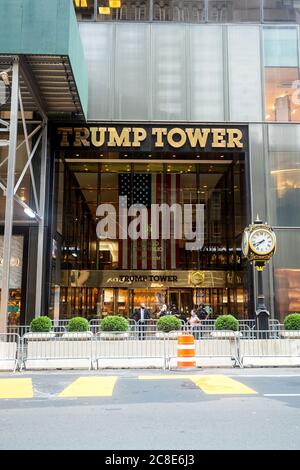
186, 352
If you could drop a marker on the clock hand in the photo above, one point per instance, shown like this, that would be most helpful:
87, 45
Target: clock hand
259, 243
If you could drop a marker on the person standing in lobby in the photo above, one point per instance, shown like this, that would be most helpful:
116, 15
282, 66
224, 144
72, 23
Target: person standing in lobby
141, 315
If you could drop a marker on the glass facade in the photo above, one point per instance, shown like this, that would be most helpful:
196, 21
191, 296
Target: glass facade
85, 264
281, 61
189, 11
175, 72
284, 175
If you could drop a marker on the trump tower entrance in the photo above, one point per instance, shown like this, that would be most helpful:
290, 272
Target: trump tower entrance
94, 276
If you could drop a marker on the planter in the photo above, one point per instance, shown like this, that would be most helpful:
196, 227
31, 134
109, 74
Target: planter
170, 335
39, 336
114, 335
79, 336
223, 334
290, 334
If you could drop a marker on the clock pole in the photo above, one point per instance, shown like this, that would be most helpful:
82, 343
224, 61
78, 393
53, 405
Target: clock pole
262, 313
259, 245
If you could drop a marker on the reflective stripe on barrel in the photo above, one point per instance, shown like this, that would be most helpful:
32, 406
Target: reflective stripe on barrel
186, 352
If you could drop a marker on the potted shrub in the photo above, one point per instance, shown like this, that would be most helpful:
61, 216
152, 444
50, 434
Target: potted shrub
291, 326
114, 327
78, 328
168, 325
40, 329
226, 327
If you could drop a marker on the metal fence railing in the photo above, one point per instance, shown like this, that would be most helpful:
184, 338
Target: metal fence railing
143, 346
56, 350
10, 346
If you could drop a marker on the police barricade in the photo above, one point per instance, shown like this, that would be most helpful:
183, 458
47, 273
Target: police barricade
213, 348
57, 350
273, 348
9, 350
142, 347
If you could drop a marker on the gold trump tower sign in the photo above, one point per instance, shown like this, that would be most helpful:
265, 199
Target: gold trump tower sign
147, 137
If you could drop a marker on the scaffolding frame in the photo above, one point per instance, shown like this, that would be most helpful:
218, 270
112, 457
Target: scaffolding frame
19, 68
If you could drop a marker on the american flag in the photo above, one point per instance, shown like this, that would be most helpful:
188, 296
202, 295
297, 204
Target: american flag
147, 189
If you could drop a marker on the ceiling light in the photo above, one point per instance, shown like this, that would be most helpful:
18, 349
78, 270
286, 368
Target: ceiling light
115, 3
104, 10
81, 3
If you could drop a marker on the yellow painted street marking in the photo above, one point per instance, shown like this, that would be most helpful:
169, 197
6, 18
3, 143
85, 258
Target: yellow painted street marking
90, 387
209, 384
221, 385
16, 388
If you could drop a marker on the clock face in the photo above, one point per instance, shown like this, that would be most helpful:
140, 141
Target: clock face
262, 241
245, 245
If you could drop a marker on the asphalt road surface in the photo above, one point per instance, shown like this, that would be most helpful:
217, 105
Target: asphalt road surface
151, 410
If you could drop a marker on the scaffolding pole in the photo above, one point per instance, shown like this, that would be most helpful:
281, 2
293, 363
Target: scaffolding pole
9, 205
41, 229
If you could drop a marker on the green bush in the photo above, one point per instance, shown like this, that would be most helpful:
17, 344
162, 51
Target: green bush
168, 323
227, 323
114, 323
292, 322
41, 325
78, 324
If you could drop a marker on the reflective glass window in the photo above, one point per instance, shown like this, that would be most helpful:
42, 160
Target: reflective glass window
229, 11
287, 273
189, 11
281, 10
281, 74
84, 9
284, 170
123, 10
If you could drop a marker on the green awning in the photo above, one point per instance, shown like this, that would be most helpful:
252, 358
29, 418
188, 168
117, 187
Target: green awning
45, 33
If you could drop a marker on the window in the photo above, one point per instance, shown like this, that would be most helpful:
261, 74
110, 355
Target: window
84, 9
287, 273
230, 11
123, 10
282, 10
284, 171
189, 11
281, 74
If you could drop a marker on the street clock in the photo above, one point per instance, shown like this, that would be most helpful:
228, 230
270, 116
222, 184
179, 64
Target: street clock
259, 243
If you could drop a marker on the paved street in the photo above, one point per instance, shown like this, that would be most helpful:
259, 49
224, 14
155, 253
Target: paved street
236, 409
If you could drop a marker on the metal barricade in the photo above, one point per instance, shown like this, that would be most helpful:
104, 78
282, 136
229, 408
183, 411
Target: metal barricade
57, 350
213, 349
142, 347
271, 348
9, 351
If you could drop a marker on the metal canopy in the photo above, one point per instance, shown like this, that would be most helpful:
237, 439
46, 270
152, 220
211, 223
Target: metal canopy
54, 83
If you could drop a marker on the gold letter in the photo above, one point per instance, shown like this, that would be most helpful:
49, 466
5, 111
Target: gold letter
234, 138
139, 135
159, 132
116, 140
198, 136
218, 141
65, 131
174, 143
94, 132
81, 136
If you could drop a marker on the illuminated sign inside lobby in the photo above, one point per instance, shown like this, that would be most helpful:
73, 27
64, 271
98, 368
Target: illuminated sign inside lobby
157, 138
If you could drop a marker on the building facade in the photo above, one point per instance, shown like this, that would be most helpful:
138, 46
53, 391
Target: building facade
190, 102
